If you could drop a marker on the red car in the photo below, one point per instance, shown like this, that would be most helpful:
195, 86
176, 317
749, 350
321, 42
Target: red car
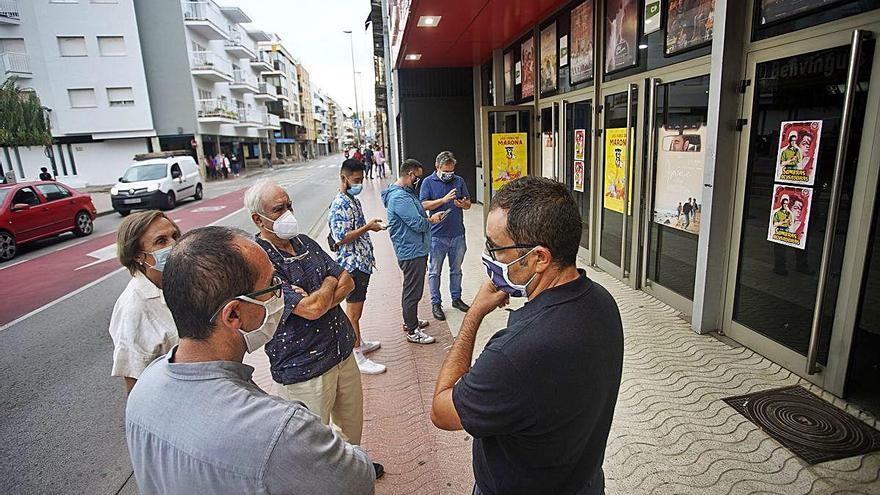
36, 210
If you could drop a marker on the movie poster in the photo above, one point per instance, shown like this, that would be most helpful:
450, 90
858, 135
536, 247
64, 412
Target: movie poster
689, 24
621, 34
510, 158
581, 51
778, 10
790, 215
508, 77
528, 68
563, 51
678, 190
548, 58
798, 151
579, 175
616, 154
580, 143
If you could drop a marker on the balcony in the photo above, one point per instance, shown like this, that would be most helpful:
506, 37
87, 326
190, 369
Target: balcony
9, 12
209, 66
278, 68
206, 19
261, 62
243, 82
216, 111
283, 92
265, 92
240, 45
15, 65
248, 117
271, 121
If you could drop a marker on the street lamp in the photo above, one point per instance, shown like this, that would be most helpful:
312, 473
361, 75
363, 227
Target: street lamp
357, 112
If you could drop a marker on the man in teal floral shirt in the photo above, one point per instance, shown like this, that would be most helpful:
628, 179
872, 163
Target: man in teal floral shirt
354, 252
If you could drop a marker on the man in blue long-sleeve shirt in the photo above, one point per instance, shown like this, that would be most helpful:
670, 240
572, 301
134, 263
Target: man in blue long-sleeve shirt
410, 229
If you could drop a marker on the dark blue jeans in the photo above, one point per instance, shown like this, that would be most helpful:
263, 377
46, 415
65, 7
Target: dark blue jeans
442, 248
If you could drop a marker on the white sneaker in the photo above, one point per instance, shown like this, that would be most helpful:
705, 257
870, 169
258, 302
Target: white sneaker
368, 367
419, 337
370, 346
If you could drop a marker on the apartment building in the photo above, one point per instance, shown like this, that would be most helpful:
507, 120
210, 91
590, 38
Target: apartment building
320, 117
333, 127
282, 81
83, 60
203, 68
307, 138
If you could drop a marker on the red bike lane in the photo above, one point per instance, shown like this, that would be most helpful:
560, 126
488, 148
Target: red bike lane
36, 282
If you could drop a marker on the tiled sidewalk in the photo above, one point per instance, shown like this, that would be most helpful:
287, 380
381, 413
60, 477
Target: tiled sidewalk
671, 432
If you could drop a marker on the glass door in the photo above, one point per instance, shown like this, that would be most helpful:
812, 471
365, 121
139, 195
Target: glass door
673, 188
799, 157
507, 147
549, 141
618, 145
577, 163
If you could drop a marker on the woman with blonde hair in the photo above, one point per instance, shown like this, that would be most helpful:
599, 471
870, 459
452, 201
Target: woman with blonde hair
141, 325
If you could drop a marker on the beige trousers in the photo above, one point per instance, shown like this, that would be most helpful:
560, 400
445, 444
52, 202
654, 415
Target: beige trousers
336, 396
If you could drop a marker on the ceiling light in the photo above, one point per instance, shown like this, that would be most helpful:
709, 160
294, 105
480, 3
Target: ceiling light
429, 20
643, 47
413, 56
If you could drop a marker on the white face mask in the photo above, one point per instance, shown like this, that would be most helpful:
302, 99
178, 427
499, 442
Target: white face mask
263, 334
285, 226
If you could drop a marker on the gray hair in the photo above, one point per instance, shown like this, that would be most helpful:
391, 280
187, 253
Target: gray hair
445, 157
253, 197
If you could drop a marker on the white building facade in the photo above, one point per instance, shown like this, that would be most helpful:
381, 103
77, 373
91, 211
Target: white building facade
83, 60
281, 76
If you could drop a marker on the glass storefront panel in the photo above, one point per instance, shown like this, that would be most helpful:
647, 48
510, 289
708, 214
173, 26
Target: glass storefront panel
613, 175
794, 127
578, 165
680, 113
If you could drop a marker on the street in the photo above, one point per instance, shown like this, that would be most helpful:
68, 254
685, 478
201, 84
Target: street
63, 424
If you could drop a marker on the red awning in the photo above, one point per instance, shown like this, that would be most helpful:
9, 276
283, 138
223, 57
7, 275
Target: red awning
468, 31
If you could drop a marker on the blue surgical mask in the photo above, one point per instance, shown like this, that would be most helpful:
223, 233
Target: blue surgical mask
161, 256
498, 274
355, 189
446, 176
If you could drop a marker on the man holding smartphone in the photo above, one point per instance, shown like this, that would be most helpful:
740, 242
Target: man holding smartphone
446, 192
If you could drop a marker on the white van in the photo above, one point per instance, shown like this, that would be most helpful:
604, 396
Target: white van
157, 180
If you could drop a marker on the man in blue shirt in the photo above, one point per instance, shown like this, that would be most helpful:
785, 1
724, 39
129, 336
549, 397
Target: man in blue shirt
410, 228
354, 252
444, 191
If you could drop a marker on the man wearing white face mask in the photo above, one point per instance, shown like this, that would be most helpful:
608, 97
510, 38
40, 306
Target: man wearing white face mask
311, 353
196, 422
141, 326
540, 398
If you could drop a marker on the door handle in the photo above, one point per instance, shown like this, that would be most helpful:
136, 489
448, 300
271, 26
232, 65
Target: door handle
834, 202
648, 193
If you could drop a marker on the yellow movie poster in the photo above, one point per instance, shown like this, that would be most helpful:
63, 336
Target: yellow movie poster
510, 158
616, 154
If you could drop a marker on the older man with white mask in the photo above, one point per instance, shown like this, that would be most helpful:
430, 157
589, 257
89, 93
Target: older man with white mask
311, 353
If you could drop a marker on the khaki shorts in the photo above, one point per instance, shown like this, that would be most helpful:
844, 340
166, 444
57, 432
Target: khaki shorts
336, 397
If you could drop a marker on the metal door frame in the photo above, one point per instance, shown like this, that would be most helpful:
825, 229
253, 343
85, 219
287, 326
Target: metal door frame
487, 146
591, 147
832, 377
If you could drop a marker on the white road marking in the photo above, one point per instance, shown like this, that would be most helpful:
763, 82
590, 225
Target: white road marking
16, 263
106, 253
208, 208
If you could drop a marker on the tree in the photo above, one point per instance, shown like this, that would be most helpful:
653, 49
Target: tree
22, 121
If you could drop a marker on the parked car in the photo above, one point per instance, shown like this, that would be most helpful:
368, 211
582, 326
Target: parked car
35, 210
157, 180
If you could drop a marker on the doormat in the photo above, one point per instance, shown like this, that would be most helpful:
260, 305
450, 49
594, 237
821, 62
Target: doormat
811, 428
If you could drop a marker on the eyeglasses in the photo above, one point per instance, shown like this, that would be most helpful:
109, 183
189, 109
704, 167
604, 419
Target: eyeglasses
295, 257
276, 289
492, 250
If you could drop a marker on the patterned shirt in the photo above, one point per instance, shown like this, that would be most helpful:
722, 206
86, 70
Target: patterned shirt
346, 215
304, 349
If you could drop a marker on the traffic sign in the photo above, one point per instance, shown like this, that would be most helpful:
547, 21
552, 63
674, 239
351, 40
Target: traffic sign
358, 124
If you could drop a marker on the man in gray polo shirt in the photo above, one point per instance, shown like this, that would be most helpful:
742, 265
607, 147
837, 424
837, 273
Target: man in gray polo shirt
196, 423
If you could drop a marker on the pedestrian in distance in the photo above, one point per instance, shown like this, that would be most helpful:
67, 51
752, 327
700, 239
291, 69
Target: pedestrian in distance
211, 168
224, 160
196, 422
358, 155
311, 353
368, 161
44, 174
410, 229
540, 398
444, 192
141, 325
350, 234
379, 158
236, 168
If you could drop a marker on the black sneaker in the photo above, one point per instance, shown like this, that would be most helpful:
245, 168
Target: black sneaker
437, 311
380, 470
460, 305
